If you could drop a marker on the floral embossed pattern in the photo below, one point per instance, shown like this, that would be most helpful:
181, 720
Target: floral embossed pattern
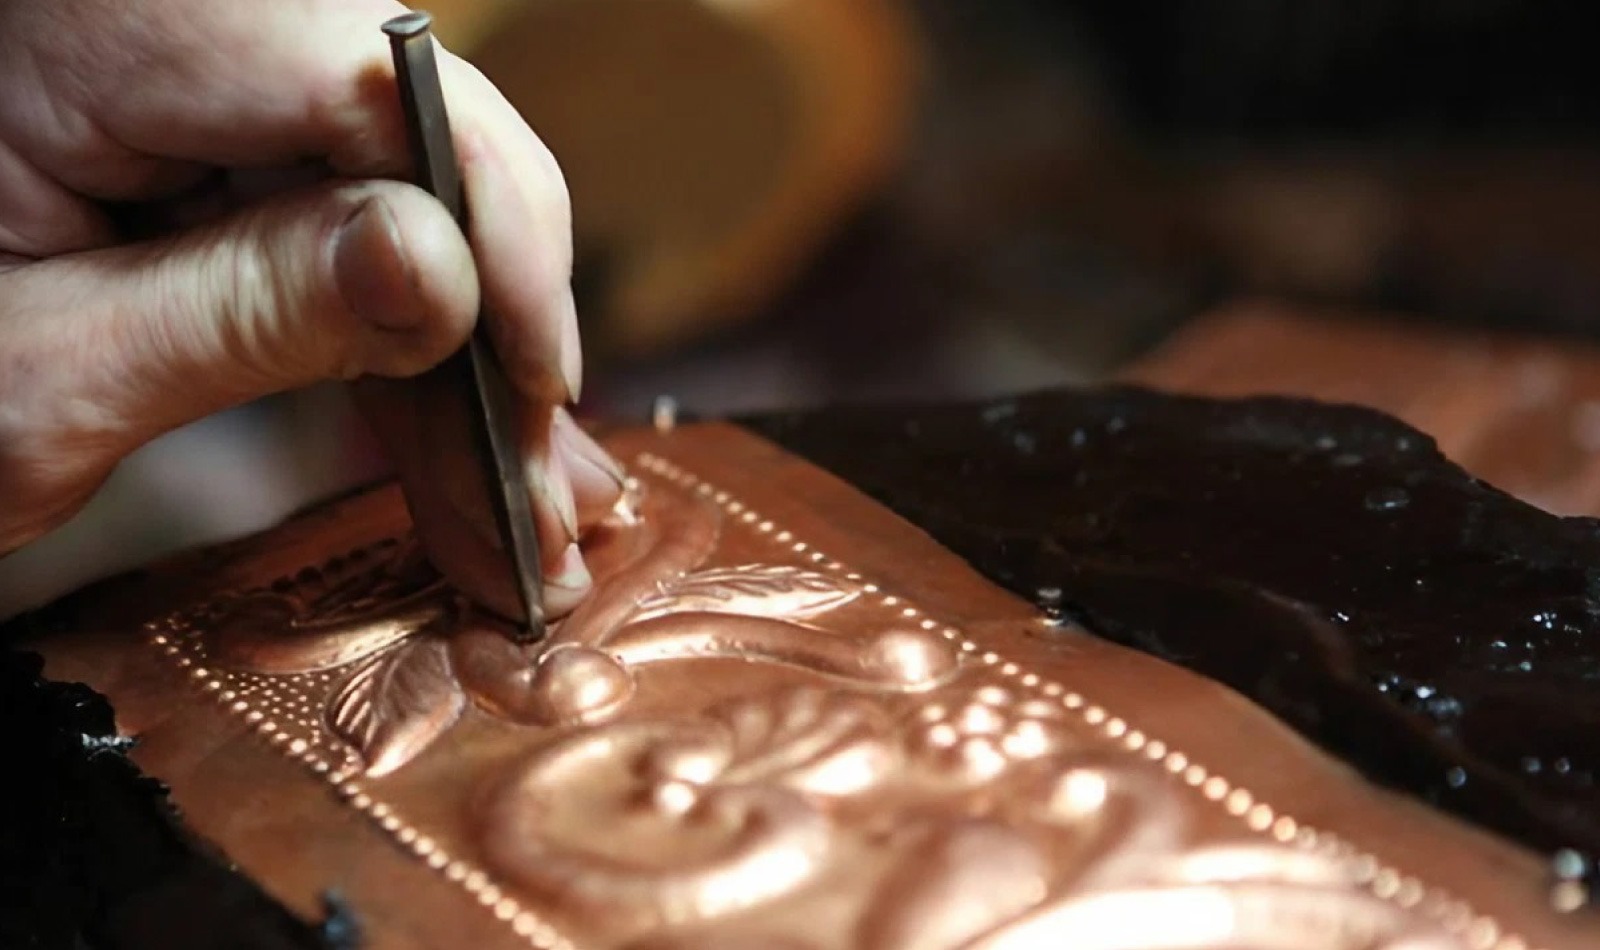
741, 742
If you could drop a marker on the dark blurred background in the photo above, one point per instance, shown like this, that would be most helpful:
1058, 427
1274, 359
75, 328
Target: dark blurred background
795, 202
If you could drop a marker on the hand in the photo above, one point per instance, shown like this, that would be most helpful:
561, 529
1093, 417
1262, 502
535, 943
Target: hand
193, 214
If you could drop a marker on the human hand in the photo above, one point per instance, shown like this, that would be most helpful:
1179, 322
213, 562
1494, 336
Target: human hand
193, 215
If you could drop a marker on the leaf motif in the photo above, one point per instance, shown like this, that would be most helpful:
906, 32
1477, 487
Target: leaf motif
752, 590
397, 702
347, 609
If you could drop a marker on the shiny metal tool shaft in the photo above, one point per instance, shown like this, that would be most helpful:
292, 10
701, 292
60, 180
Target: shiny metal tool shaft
434, 157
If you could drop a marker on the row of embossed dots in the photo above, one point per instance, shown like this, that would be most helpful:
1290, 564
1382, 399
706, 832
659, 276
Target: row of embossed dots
1479, 932
473, 880
237, 690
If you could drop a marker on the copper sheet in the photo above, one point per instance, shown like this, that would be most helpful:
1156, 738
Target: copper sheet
787, 719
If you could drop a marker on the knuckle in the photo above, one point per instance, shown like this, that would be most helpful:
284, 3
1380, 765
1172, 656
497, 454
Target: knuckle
246, 282
238, 300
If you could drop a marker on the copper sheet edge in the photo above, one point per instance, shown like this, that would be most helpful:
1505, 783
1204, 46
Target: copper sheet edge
789, 719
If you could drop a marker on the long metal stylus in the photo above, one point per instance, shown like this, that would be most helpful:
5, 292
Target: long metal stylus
434, 155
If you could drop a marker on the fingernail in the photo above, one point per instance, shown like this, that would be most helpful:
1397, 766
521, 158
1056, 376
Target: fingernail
372, 270
567, 583
597, 481
589, 461
551, 484
566, 506
570, 573
571, 348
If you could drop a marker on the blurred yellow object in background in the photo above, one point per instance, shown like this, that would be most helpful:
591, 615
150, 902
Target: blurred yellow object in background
710, 145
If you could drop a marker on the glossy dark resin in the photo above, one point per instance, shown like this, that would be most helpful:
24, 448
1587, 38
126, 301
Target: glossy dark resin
1325, 561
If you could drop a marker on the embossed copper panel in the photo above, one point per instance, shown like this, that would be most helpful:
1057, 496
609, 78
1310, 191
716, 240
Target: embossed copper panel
786, 719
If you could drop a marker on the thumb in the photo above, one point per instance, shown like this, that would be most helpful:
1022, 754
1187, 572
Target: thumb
336, 282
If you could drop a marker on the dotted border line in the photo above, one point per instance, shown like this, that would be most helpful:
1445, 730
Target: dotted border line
167, 636
1480, 932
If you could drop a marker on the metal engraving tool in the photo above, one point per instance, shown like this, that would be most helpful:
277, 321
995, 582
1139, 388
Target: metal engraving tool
494, 432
